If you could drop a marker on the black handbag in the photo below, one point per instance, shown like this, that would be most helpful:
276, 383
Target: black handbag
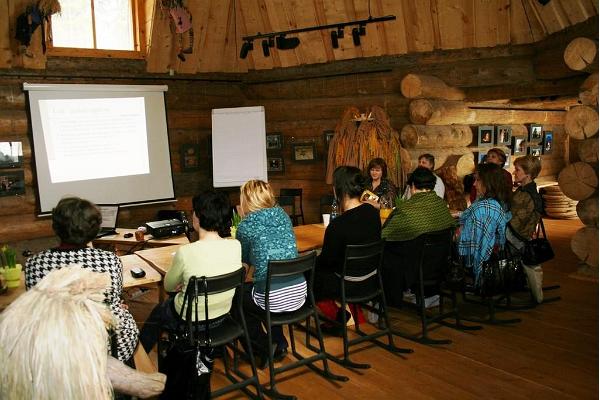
538, 250
500, 273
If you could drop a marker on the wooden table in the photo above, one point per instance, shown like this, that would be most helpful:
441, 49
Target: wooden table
309, 237
122, 245
159, 258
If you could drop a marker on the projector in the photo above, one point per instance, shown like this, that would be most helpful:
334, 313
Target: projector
165, 228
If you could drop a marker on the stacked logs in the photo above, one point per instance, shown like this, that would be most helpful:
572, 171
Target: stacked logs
579, 181
556, 204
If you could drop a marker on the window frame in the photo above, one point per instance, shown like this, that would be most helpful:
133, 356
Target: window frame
139, 40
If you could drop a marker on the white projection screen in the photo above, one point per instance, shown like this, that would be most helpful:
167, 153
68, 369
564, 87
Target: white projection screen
105, 143
238, 145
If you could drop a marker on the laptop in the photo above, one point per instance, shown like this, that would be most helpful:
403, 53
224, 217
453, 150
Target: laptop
110, 213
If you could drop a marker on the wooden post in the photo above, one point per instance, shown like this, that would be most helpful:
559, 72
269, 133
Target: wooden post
581, 122
425, 136
415, 86
588, 91
582, 54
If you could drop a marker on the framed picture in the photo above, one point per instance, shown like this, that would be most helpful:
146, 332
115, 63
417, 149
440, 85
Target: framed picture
535, 151
548, 142
190, 157
535, 133
503, 134
274, 141
12, 183
327, 136
304, 152
480, 157
275, 164
485, 135
518, 145
11, 154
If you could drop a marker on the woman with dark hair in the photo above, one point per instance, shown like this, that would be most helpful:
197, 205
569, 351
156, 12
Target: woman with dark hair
483, 224
359, 223
527, 208
495, 156
76, 222
379, 184
211, 255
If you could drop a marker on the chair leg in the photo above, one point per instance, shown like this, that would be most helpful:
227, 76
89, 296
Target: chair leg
492, 320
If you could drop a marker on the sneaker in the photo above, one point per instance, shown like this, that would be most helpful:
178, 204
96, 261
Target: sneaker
433, 301
409, 297
372, 316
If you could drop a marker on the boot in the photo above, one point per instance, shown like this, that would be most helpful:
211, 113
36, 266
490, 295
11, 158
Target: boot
535, 277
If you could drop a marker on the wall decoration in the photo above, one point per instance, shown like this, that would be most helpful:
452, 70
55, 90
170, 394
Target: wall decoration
275, 164
304, 152
190, 157
480, 157
274, 141
548, 142
518, 145
508, 162
535, 151
11, 154
485, 135
503, 134
12, 183
535, 133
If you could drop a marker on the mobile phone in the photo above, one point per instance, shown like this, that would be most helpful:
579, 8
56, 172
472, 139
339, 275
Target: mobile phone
137, 272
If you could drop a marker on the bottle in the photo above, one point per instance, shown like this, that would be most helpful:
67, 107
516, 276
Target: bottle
334, 210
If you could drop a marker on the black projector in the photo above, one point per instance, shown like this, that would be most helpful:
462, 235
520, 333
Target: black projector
165, 228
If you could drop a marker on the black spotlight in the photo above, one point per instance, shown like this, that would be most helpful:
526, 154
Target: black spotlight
356, 36
284, 43
543, 2
340, 32
265, 47
246, 47
362, 30
334, 40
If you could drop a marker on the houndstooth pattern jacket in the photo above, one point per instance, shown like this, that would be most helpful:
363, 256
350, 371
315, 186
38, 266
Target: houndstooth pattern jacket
39, 265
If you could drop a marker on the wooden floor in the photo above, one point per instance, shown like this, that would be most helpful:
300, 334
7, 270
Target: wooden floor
551, 354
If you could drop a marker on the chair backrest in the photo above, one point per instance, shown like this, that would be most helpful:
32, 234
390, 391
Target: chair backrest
362, 261
293, 266
325, 202
296, 193
434, 250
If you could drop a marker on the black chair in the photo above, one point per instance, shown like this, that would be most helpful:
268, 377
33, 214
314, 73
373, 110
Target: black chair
297, 212
301, 265
433, 256
288, 203
363, 261
225, 334
325, 202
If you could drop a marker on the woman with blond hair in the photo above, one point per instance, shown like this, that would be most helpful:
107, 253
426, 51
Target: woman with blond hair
265, 233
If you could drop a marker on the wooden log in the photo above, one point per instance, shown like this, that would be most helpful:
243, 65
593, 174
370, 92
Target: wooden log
539, 88
578, 181
443, 112
549, 63
588, 150
14, 228
440, 154
424, 136
463, 163
13, 122
416, 86
582, 54
581, 122
587, 211
588, 91
585, 245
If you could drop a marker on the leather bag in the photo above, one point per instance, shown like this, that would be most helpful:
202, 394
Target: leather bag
538, 250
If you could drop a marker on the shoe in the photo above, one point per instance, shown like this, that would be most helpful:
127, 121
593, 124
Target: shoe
372, 316
433, 301
409, 297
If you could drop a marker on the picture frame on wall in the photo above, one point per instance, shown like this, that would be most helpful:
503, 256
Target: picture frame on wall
12, 183
547, 142
480, 157
535, 151
508, 162
535, 133
275, 164
190, 157
518, 145
503, 134
274, 141
11, 154
304, 152
485, 135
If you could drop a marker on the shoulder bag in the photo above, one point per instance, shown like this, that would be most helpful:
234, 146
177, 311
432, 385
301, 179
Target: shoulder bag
538, 250
500, 273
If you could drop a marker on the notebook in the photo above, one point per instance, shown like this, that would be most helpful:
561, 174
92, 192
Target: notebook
110, 213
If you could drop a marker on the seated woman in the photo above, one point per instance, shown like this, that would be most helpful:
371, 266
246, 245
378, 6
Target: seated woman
211, 255
266, 233
527, 208
424, 212
380, 185
76, 222
495, 156
359, 223
483, 224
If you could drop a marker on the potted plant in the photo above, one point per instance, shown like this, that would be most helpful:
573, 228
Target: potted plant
9, 267
235, 221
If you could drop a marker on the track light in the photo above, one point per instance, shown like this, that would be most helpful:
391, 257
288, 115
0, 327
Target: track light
246, 47
334, 40
340, 32
356, 36
284, 43
362, 29
265, 47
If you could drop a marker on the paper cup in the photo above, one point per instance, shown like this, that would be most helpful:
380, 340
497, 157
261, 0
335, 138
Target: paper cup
326, 219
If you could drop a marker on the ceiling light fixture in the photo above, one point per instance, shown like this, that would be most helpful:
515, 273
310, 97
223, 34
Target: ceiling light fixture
334, 40
246, 47
356, 36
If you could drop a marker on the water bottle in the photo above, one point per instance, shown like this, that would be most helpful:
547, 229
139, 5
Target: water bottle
334, 210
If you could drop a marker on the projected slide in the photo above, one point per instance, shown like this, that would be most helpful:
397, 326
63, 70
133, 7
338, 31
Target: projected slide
102, 137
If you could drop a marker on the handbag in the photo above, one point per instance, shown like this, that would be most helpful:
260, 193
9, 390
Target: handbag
538, 250
500, 273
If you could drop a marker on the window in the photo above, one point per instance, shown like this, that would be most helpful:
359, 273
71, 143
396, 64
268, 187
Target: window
96, 28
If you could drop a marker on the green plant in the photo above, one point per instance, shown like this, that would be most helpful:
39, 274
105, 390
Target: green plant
236, 219
9, 257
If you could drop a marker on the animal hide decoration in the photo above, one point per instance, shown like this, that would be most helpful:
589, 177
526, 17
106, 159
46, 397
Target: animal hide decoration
359, 138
